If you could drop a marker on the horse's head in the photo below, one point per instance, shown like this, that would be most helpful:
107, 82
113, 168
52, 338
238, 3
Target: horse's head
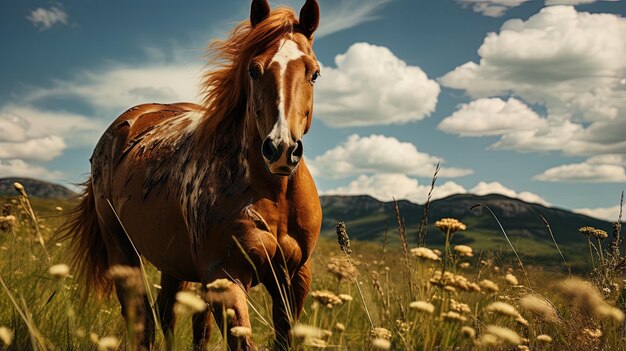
281, 81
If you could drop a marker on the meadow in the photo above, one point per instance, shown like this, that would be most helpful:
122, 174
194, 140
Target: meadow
365, 295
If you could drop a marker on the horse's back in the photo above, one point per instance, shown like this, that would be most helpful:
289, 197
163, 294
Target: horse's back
133, 167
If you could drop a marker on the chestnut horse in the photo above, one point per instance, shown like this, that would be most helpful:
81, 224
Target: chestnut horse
214, 191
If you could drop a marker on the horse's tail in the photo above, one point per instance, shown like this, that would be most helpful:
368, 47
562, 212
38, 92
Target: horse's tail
90, 258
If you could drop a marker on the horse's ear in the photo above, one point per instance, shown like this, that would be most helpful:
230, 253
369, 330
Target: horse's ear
310, 17
259, 10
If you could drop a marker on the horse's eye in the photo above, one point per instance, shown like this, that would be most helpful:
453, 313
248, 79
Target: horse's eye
254, 72
315, 76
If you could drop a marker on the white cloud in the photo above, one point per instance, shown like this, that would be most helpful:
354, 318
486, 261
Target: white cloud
385, 187
570, 64
342, 14
371, 86
379, 154
19, 168
572, 2
484, 188
605, 213
36, 133
600, 169
491, 8
12, 128
118, 87
74, 129
492, 117
47, 18
43, 149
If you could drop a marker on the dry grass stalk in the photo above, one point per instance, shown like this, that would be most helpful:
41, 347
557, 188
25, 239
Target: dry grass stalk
540, 306
421, 232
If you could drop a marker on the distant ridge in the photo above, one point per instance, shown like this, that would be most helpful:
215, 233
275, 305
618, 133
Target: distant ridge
35, 188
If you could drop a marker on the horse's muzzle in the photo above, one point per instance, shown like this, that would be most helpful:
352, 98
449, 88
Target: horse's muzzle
282, 157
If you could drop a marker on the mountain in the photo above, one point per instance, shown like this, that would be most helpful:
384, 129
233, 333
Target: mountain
367, 219
35, 188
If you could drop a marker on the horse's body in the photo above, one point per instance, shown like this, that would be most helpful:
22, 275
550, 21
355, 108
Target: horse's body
200, 191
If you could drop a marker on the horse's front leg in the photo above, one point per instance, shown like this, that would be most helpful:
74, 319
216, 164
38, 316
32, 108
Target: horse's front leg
287, 306
229, 306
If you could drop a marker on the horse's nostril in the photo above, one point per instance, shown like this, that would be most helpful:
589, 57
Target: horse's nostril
297, 152
269, 150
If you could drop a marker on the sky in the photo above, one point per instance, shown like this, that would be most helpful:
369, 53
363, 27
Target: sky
525, 98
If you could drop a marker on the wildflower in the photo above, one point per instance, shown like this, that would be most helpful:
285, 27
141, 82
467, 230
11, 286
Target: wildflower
511, 279
464, 265
8, 223
58, 209
341, 268
188, 303
598, 233
340, 327
459, 307
523, 348
594, 333
521, 320
468, 332
230, 313
424, 253
306, 331
502, 308
539, 306
489, 286
453, 316
59, 270
505, 334
422, 306
381, 344
6, 336
464, 250
381, 333
108, 343
241, 332
315, 343
450, 224
131, 278
326, 298
345, 297
219, 285
544, 338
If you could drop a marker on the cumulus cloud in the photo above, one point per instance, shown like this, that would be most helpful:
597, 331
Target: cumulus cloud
19, 168
572, 2
43, 149
371, 86
605, 213
492, 117
386, 187
600, 169
569, 64
491, 8
118, 87
29, 131
47, 18
484, 188
379, 154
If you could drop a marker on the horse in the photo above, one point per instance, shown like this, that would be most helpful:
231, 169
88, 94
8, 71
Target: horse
213, 191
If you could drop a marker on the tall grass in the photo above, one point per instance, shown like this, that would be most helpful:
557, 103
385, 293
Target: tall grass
363, 298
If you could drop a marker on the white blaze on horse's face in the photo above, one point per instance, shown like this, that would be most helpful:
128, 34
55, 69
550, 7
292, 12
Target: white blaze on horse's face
283, 99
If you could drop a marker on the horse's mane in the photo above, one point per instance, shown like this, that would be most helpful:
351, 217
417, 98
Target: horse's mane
226, 85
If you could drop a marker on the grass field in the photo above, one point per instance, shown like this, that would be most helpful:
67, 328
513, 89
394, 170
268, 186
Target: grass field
379, 297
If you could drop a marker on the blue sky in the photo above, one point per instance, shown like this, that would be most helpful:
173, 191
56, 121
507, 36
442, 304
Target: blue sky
524, 98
